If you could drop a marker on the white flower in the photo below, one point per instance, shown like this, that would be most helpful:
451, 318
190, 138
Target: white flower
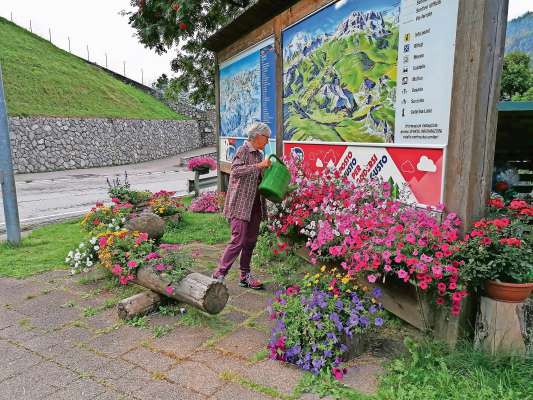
70, 253
67, 260
113, 220
96, 248
123, 219
72, 271
117, 228
82, 245
110, 225
93, 240
77, 256
77, 265
89, 263
85, 269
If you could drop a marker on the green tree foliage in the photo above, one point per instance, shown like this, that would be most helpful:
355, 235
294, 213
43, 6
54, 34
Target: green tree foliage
184, 24
517, 76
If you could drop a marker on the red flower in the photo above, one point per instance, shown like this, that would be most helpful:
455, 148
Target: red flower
518, 204
496, 203
115, 200
176, 7
96, 222
183, 26
527, 211
501, 186
486, 241
440, 300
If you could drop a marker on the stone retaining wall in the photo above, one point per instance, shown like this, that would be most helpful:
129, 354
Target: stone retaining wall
52, 144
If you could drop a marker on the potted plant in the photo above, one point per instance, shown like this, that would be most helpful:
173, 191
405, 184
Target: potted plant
498, 252
202, 164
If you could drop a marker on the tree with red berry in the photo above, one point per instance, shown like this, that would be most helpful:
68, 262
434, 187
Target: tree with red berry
185, 24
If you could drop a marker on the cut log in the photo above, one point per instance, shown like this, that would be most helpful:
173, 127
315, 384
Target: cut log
198, 290
139, 304
505, 327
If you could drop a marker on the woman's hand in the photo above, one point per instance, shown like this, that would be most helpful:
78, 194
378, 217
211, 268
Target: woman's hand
264, 164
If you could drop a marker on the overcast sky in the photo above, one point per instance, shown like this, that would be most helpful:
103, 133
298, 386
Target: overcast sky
97, 23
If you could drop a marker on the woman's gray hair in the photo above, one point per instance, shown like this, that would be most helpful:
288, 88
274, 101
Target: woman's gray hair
258, 128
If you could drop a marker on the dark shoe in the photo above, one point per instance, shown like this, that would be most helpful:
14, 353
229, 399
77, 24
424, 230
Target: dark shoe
250, 282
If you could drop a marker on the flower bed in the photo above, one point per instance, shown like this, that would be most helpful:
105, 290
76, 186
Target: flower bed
208, 202
323, 323
368, 235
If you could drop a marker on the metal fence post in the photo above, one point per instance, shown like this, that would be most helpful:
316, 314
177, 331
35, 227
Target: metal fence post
7, 177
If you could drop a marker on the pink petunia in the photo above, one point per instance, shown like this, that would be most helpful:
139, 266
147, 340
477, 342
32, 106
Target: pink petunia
132, 264
116, 270
102, 242
371, 278
402, 274
169, 289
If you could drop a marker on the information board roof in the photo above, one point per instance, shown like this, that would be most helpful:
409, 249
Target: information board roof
255, 15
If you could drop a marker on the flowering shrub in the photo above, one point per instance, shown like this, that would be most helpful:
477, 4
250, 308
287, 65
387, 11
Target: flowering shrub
171, 263
360, 227
102, 218
201, 163
208, 202
84, 257
164, 204
313, 322
122, 191
123, 252
501, 246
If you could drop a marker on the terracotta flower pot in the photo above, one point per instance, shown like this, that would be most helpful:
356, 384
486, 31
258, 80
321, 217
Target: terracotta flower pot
508, 292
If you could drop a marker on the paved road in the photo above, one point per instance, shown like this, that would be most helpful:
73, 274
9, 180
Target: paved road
57, 195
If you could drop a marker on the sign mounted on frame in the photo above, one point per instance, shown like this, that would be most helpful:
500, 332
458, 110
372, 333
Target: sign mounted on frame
247, 94
370, 71
417, 171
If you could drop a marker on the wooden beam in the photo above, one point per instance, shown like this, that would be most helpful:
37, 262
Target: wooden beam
478, 61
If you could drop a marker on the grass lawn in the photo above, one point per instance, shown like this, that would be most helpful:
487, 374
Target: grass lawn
433, 372
44, 249
199, 227
43, 80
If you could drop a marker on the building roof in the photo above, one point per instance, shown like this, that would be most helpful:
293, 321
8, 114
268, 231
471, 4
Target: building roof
515, 106
254, 16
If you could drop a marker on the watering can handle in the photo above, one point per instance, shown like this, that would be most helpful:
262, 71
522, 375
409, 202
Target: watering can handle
277, 158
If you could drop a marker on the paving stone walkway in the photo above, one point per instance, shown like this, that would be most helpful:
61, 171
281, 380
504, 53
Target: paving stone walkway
60, 338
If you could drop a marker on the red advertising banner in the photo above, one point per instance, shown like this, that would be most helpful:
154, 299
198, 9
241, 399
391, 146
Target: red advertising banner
419, 170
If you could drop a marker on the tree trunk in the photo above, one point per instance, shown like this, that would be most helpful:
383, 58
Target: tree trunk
139, 304
195, 289
505, 327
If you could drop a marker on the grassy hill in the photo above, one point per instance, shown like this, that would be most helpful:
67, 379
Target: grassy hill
43, 80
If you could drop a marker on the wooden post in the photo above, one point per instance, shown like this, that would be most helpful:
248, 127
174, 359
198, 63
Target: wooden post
505, 327
139, 304
479, 55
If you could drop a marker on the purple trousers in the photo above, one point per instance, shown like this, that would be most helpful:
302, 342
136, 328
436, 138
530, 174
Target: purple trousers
243, 239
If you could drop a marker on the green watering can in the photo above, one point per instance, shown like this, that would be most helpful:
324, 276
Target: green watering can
276, 179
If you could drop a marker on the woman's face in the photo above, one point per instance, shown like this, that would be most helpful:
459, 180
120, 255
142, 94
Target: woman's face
260, 142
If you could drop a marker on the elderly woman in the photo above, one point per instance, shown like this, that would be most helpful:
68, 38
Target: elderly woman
244, 207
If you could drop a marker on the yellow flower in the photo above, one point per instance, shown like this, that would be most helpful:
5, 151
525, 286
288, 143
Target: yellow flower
335, 296
348, 291
316, 281
338, 276
317, 275
323, 268
345, 280
374, 301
